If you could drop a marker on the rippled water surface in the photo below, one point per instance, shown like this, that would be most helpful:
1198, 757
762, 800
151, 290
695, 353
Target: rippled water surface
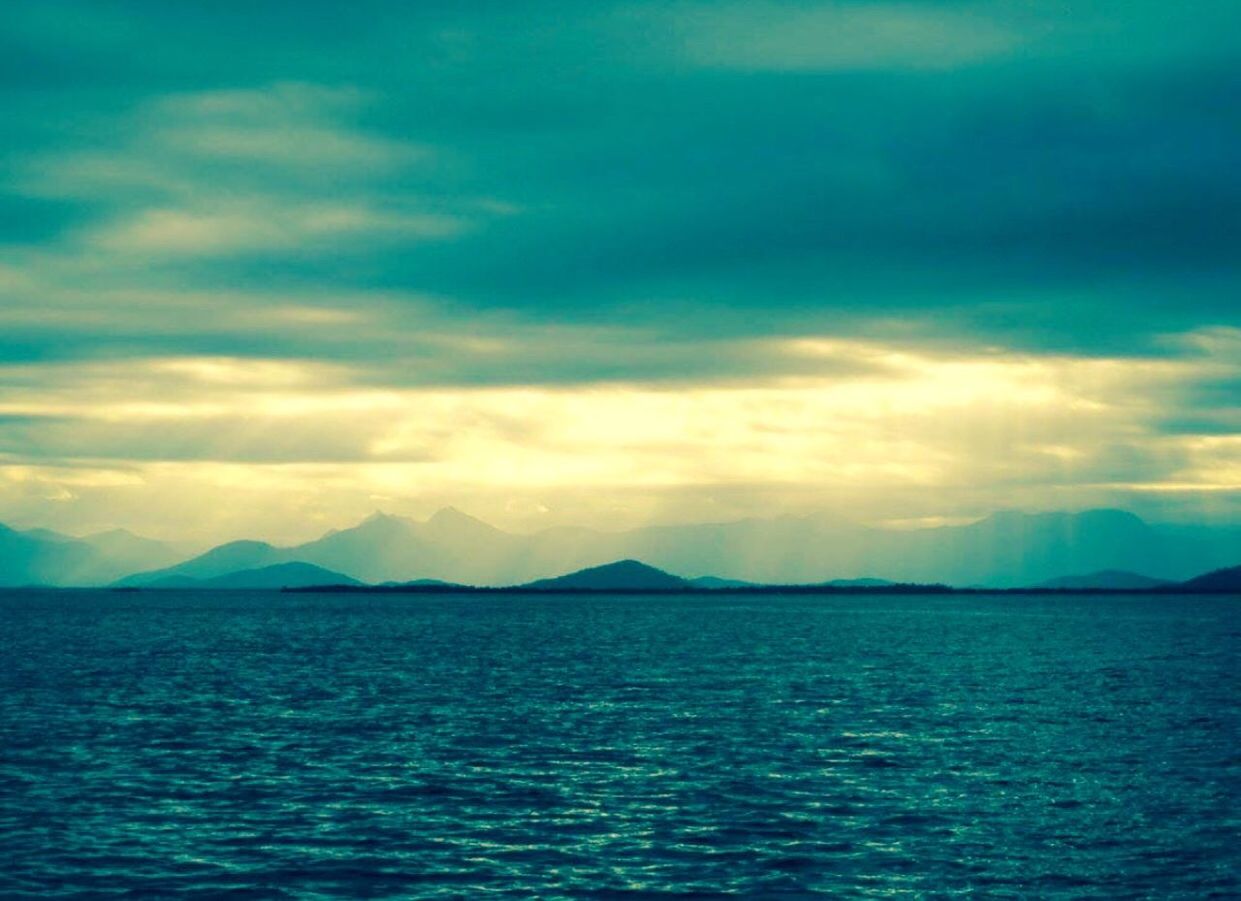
368, 746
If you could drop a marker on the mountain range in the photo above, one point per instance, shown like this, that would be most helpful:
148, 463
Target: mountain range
44, 557
635, 577
1002, 550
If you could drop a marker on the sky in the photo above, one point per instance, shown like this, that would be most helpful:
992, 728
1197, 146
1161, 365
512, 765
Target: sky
267, 267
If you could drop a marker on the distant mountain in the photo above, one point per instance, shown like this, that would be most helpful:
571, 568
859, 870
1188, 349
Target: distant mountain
1228, 579
48, 535
1114, 579
228, 558
45, 557
624, 575
858, 583
127, 552
450, 546
280, 575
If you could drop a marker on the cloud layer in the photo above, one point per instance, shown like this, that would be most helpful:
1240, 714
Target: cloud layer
638, 260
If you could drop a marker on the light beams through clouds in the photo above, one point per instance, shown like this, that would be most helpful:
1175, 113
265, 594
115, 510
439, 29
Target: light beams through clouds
918, 435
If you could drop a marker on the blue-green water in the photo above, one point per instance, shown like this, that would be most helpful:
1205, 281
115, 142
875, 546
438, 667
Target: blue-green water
421, 746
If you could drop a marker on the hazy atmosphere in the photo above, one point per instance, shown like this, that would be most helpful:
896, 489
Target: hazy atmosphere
267, 269
620, 449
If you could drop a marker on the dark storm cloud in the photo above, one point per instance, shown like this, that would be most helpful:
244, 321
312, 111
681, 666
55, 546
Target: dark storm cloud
1074, 162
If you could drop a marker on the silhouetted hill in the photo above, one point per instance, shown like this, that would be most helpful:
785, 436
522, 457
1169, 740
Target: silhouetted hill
624, 575
280, 575
1228, 579
859, 583
1113, 579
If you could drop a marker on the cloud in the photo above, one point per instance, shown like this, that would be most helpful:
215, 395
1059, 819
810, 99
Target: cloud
242, 172
841, 36
933, 426
1002, 208
283, 125
288, 134
256, 227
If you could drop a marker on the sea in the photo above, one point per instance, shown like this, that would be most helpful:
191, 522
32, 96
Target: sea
268, 745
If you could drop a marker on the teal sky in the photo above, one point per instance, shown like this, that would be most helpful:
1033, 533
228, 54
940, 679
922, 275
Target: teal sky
268, 266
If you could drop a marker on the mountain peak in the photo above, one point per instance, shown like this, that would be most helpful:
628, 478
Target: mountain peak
381, 523
112, 533
450, 514
452, 519
623, 575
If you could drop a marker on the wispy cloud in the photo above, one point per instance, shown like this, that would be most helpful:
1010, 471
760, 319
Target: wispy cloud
841, 36
243, 172
284, 125
260, 225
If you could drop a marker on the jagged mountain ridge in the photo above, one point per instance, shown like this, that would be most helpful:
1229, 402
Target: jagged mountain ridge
1003, 550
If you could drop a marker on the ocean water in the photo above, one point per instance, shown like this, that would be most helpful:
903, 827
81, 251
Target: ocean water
267, 745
